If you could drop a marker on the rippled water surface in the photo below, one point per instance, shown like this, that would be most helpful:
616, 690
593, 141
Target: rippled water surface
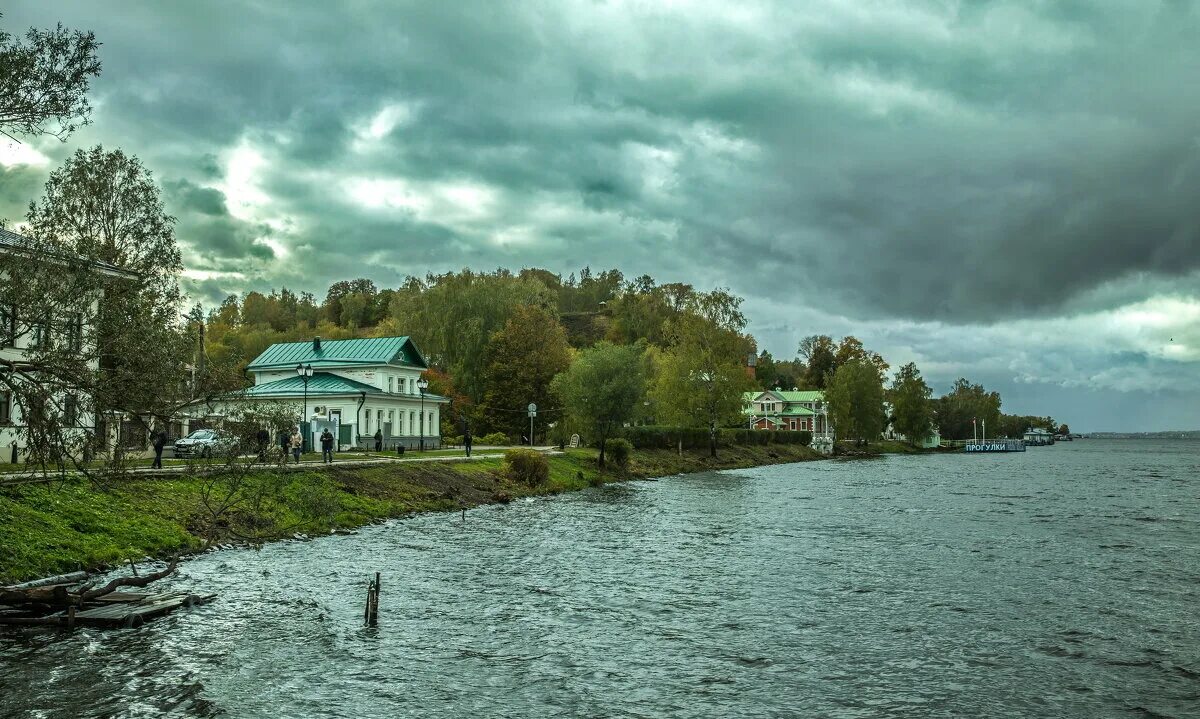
1060, 582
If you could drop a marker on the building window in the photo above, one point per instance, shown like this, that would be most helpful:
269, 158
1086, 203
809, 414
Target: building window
379, 420
8, 326
75, 333
412, 422
41, 335
792, 425
5, 408
367, 422
391, 383
391, 421
70, 411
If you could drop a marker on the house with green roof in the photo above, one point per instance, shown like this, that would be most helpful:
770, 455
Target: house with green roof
794, 411
355, 388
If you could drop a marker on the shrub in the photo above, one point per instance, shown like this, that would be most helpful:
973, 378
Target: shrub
527, 466
452, 440
499, 439
617, 450
697, 437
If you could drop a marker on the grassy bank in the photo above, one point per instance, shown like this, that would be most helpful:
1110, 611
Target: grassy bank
63, 526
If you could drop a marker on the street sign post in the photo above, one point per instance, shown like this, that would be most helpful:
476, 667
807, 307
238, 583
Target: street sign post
532, 408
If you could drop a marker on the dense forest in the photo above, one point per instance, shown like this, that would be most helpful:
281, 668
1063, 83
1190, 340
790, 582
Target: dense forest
496, 341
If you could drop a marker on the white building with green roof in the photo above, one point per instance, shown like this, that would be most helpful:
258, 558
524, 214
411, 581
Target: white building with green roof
355, 388
793, 411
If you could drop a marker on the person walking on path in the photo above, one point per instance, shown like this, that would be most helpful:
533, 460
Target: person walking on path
378, 440
160, 441
327, 446
297, 444
467, 441
263, 438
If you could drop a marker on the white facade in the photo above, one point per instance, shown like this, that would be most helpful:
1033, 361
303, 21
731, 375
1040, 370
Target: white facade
367, 391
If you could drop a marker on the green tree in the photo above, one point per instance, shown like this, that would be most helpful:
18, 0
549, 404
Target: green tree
452, 318
44, 81
817, 352
523, 358
855, 397
765, 371
966, 407
104, 206
912, 408
702, 375
602, 390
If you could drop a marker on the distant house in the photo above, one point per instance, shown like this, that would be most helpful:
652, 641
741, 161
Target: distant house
357, 387
1038, 437
796, 411
19, 333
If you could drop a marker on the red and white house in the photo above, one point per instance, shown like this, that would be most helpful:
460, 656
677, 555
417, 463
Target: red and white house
796, 411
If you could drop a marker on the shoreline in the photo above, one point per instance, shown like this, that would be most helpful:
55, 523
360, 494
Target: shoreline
55, 528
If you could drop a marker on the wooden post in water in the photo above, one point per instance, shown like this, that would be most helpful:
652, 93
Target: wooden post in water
371, 612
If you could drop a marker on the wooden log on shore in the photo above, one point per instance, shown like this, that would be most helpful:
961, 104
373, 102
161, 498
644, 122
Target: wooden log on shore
69, 578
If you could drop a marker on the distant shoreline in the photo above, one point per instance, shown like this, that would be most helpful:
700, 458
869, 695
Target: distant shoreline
1189, 434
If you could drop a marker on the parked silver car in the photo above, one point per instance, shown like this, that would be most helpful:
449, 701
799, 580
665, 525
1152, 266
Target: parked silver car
204, 443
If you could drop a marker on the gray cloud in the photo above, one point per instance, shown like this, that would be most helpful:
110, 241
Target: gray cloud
939, 163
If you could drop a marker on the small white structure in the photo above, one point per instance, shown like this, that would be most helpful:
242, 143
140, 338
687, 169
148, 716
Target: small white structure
354, 388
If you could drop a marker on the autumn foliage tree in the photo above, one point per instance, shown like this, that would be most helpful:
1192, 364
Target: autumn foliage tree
523, 358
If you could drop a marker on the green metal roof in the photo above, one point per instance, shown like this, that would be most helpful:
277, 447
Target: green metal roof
321, 383
814, 395
324, 384
341, 353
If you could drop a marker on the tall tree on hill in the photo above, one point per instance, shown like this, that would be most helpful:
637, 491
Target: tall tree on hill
523, 359
818, 353
855, 397
452, 318
765, 371
702, 375
104, 206
44, 81
912, 408
851, 349
601, 391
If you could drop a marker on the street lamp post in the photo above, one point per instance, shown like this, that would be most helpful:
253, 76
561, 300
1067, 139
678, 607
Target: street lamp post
422, 385
304, 371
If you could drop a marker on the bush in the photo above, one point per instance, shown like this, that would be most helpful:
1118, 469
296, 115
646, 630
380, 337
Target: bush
618, 451
452, 440
527, 466
697, 437
499, 439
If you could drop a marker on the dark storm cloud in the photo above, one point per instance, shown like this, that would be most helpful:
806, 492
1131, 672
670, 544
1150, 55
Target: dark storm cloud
925, 161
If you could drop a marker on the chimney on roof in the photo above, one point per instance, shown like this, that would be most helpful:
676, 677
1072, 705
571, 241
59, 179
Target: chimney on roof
316, 344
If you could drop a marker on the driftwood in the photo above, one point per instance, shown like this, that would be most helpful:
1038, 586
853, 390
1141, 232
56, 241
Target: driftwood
60, 595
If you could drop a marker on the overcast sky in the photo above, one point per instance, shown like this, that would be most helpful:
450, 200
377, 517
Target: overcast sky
1006, 190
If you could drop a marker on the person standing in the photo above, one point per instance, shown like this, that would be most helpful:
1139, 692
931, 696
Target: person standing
467, 441
378, 440
297, 445
160, 441
327, 446
263, 439
285, 440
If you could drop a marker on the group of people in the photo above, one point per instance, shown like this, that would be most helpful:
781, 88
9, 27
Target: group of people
292, 443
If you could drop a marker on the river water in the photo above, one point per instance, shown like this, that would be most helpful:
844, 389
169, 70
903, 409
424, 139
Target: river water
1062, 582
